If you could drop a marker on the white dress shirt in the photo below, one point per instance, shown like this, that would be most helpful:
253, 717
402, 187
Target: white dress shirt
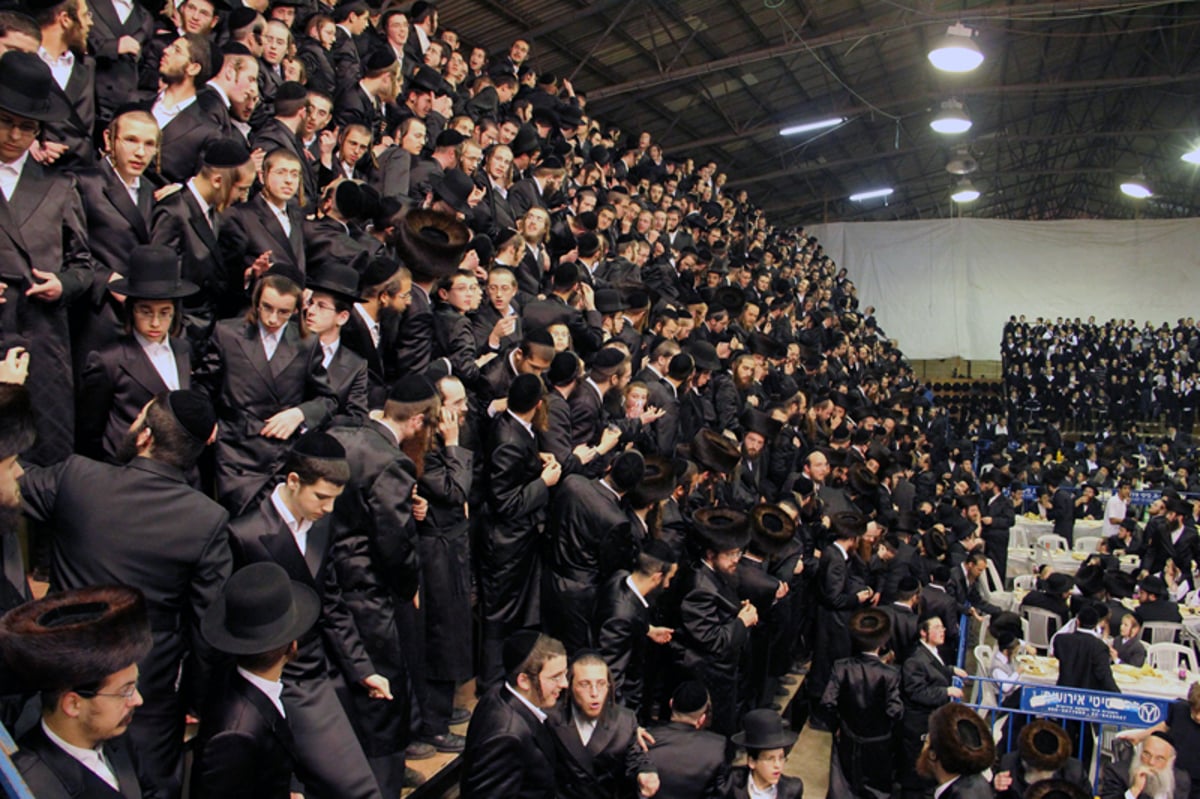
941, 789
586, 728
633, 587
281, 215
60, 67
123, 8
10, 175
163, 113
204, 206
270, 341
92, 759
328, 351
298, 527
131, 188
528, 427
273, 689
537, 711
162, 358
754, 792
372, 325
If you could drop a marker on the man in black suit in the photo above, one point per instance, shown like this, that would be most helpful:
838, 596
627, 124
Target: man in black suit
998, 519
118, 196
715, 626
510, 752
591, 540
352, 19
532, 193
958, 749
87, 672
622, 619
376, 551
334, 292
334, 236
292, 528
180, 562
1150, 770
266, 229
186, 130
1054, 597
599, 754
926, 685
903, 614
282, 132
1083, 657
1174, 540
839, 593
610, 369
364, 102
519, 480
244, 748
188, 221
266, 381
385, 288
965, 586
65, 27
116, 40
43, 251
1061, 507
151, 358
1155, 602
235, 72
691, 761
1043, 747
533, 355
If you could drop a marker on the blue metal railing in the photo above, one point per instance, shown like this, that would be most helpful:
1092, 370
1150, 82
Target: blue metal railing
10, 779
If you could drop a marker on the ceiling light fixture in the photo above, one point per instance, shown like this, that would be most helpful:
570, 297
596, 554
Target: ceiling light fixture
956, 51
873, 194
808, 127
1136, 187
952, 119
1192, 157
965, 192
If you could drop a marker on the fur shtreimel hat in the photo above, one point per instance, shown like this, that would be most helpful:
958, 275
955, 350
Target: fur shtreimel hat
961, 740
75, 638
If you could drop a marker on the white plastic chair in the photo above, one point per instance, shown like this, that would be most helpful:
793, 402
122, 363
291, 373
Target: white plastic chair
1042, 624
994, 588
986, 693
1025, 582
1162, 632
1088, 543
1050, 542
1169, 657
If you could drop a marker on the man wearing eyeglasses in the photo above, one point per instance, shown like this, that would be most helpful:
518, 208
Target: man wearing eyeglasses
80, 649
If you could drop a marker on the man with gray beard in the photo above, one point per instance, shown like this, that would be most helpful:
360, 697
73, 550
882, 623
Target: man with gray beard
1150, 774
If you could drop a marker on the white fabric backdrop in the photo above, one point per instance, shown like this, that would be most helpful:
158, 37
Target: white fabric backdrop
946, 288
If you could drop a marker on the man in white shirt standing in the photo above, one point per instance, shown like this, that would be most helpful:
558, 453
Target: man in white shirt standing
80, 648
65, 26
1116, 508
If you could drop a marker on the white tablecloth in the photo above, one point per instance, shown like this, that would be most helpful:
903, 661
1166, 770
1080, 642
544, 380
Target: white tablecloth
1025, 531
1024, 560
1164, 686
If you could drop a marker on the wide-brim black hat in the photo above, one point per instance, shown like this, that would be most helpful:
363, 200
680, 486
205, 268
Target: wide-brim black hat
763, 729
153, 273
454, 188
721, 529
658, 482
869, 629
705, 355
27, 89
337, 279
962, 740
75, 638
431, 243
1120, 585
771, 529
715, 452
525, 142
539, 314
259, 609
755, 421
1044, 745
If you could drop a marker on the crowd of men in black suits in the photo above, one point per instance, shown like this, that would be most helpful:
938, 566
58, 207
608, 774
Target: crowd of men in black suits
373, 365
1087, 375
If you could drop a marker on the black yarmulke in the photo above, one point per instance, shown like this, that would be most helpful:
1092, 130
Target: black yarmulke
681, 366
449, 138
291, 90
517, 648
226, 153
412, 389
238, 19
608, 358
194, 412
690, 697
563, 369
628, 470
319, 445
379, 60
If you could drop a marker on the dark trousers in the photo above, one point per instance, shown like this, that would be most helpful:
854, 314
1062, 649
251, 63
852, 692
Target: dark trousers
157, 736
437, 706
995, 544
329, 759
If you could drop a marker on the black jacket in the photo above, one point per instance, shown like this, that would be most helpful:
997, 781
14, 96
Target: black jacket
786, 788
179, 223
184, 140
509, 753
924, 684
711, 635
244, 749
1083, 662
608, 766
251, 228
691, 763
620, 623
1071, 771
51, 773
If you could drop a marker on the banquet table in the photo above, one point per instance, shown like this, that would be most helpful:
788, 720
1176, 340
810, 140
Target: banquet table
1041, 670
1025, 530
1024, 560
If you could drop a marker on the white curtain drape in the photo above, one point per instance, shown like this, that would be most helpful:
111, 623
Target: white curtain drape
946, 288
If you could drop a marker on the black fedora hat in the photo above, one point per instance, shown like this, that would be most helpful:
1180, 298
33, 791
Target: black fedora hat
431, 243
609, 301
755, 421
454, 188
771, 529
705, 355
731, 298
722, 529
715, 452
763, 729
338, 279
525, 142
259, 609
27, 88
153, 273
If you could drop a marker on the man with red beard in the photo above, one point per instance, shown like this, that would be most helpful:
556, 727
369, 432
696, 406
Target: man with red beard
375, 550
